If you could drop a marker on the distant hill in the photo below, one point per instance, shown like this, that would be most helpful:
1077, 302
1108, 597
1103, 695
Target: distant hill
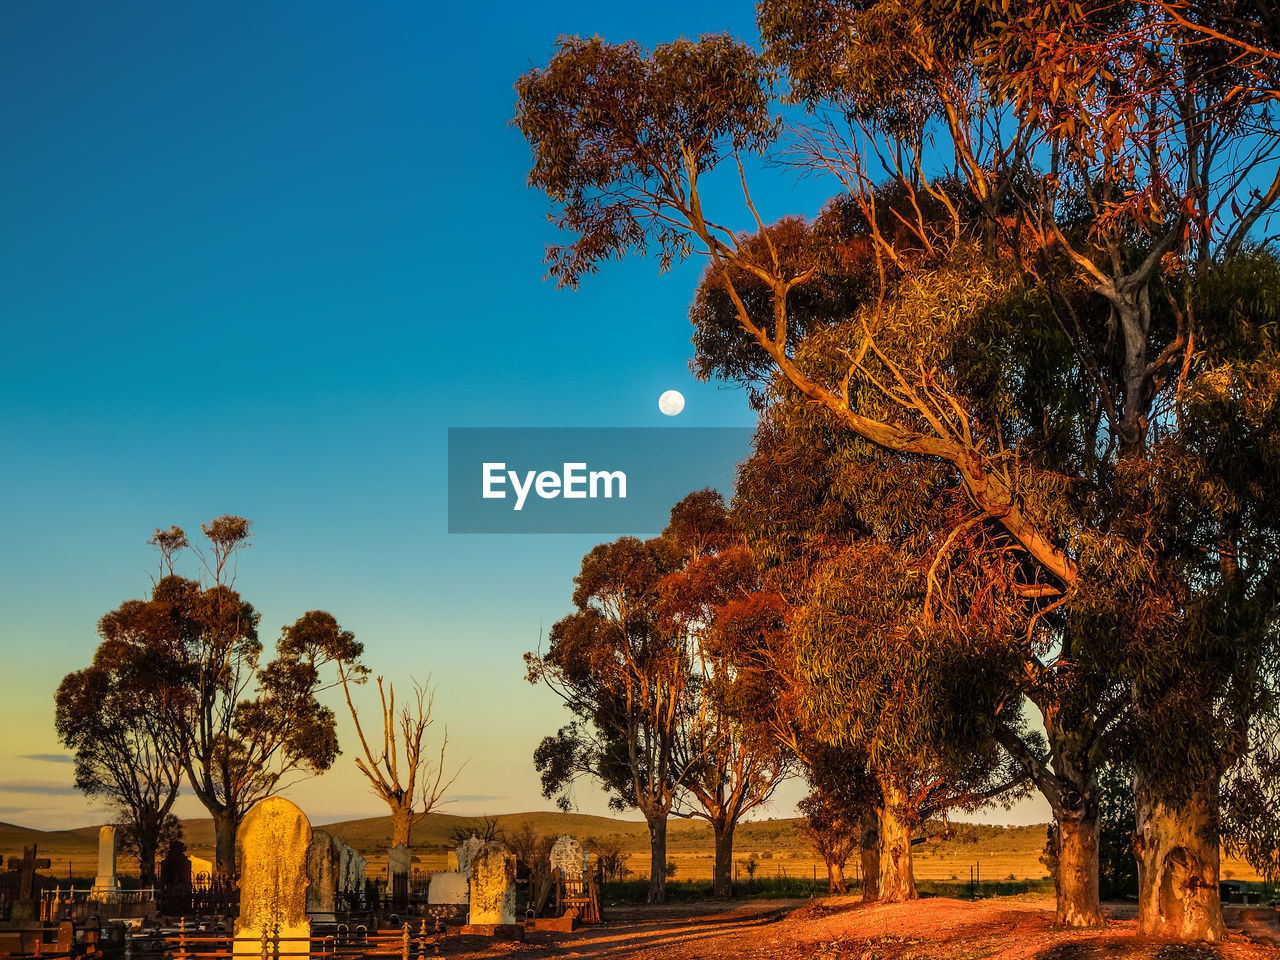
776, 845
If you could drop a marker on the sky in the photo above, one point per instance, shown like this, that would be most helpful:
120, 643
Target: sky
257, 259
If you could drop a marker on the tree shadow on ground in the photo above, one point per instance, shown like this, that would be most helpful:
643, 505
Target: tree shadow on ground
676, 937
1129, 950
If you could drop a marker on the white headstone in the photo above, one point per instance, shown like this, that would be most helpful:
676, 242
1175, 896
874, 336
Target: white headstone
351, 867
448, 886
104, 885
323, 857
466, 850
567, 854
398, 861
493, 885
356, 871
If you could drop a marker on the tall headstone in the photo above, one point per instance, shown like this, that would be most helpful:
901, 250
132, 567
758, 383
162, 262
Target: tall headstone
567, 855
323, 862
466, 850
352, 868
271, 850
104, 884
493, 885
175, 879
398, 861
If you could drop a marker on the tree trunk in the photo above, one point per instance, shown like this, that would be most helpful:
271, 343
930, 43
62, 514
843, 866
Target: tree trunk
400, 825
869, 851
658, 859
147, 847
1069, 781
897, 877
722, 879
224, 831
835, 878
1076, 874
1178, 858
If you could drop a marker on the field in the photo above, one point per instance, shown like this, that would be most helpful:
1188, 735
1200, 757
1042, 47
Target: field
777, 847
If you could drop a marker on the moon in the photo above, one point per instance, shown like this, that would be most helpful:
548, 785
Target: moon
671, 402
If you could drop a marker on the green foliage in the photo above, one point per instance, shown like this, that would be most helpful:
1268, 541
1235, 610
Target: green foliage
622, 676
1118, 867
1020, 423
115, 718
186, 664
130, 841
602, 113
833, 829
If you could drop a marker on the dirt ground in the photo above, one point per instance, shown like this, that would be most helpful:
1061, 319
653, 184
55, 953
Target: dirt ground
843, 929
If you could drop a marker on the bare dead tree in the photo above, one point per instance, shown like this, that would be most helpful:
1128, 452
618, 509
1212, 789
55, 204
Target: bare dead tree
424, 782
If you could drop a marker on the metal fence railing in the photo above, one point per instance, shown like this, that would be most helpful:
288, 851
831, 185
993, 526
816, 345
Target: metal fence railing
407, 944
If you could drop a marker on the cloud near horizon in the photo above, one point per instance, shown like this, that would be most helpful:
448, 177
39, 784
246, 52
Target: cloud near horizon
48, 757
38, 788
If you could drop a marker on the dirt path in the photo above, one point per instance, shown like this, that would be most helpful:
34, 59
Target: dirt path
841, 929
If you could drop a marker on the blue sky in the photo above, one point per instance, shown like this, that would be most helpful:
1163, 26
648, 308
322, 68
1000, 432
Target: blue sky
256, 259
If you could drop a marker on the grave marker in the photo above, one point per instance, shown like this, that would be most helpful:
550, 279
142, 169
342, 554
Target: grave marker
271, 850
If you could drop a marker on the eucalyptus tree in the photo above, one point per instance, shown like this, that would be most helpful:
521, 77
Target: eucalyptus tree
244, 727
625, 678
1084, 195
834, 833
896, 653
734, 764
114, 717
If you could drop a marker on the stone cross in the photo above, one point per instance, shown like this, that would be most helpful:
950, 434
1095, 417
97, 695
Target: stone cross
24, 906
104, 885
271, 851
493, 885
567, 855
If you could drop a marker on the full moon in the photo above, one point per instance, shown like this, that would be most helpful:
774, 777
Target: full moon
671, 402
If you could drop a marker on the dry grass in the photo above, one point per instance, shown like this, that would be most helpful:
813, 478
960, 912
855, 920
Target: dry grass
776, 845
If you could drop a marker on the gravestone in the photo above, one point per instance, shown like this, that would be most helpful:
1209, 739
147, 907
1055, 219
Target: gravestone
466, 850
201, 870
351, 871
66, 937
323, 863
104, 884
175, 880
398, 861
568, 856
448, 887
493, 886
271, 850
24, 905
